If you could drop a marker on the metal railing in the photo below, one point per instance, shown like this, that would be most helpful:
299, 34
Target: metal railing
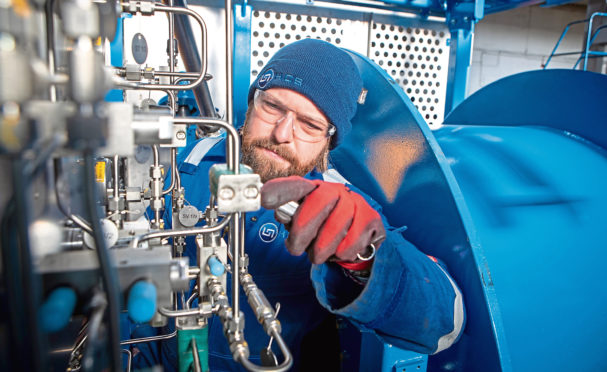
590, 38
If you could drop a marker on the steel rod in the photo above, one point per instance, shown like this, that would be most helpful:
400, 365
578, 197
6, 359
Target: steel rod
116, 182
233, 165
149, 339
192, 60
203, 65
173, 171
185, 232
229, 85
50, 45
196, 357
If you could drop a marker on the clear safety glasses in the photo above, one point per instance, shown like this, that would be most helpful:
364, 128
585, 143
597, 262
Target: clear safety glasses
270, 110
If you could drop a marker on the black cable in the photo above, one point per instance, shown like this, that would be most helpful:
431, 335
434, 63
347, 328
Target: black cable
15, 320
42, 155
31, 292
108, 275
24, 293
98, 305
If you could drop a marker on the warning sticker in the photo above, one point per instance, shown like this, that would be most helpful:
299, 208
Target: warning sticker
100, 172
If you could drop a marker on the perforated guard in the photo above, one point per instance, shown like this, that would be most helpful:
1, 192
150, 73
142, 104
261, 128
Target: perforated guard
416, 58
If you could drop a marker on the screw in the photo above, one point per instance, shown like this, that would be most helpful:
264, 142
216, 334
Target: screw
226, 193
180, 135
251, 192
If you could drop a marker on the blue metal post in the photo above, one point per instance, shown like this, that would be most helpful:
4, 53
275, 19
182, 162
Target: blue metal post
461, 18
242, 60
460, 55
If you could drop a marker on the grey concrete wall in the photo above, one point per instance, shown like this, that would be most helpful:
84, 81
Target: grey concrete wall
521, 39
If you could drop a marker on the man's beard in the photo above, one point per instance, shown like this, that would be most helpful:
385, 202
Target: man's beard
269, 169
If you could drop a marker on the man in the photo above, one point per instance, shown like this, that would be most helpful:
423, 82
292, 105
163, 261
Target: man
338, 250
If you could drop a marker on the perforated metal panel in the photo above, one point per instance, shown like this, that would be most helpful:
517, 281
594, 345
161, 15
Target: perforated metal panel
271, 31
416, 58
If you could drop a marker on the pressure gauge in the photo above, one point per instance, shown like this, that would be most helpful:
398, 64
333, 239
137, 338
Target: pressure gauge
110, 234
189, 216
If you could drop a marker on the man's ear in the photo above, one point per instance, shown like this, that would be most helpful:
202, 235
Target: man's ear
246, 119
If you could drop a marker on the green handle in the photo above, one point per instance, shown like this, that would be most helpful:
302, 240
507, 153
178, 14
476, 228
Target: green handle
184, 348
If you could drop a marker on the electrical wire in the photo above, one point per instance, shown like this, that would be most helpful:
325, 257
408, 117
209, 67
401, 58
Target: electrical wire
108, 275
15, 304
98, 307
29, 292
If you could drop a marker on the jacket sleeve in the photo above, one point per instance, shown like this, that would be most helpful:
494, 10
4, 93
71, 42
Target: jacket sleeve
409, 300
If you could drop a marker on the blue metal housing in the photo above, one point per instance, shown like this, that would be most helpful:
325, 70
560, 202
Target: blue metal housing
510, 196
362, 350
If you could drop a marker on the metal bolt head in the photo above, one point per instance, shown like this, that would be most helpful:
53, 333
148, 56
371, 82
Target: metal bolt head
7, 42
180, 135
226, 193
251, 192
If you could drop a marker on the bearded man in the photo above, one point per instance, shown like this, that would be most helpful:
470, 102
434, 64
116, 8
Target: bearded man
337, 254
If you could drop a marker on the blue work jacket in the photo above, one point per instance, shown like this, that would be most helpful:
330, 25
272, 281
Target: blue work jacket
409, 300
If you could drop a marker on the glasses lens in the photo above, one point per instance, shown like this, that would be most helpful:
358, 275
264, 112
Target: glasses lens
269, 109
309, 130
272, 111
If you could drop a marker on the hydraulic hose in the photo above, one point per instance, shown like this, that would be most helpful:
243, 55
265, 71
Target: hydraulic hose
108, 272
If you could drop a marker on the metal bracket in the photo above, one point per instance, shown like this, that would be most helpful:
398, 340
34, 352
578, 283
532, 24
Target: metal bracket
235, 192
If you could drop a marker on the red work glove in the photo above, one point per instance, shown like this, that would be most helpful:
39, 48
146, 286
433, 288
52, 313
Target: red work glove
332, 222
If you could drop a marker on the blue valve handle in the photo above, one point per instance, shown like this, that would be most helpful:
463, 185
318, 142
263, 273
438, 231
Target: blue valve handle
141, 303
56, 311
216, 267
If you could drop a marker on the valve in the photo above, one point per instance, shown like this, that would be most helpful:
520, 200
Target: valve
141, 303
57, 310
215, 266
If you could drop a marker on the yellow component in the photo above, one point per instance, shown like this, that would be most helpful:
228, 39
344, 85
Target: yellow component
9, 125
21, 8
98, 41
100, 172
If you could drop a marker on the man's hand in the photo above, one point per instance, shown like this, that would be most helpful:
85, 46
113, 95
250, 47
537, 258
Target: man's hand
331, 221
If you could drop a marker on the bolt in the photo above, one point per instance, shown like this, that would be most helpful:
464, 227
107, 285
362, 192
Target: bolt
226, 193
7, 42
251, 192
180, 135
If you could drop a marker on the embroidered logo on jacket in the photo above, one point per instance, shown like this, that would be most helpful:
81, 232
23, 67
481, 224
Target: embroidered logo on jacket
268, 232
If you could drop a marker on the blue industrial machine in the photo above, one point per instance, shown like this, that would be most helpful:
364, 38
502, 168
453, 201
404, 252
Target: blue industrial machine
509, 193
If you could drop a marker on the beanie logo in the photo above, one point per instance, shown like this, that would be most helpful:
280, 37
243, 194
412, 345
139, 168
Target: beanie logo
265, 78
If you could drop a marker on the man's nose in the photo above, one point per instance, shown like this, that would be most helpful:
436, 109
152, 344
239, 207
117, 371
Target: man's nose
283, 131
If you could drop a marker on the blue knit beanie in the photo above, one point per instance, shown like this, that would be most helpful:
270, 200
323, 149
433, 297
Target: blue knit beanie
320, 71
